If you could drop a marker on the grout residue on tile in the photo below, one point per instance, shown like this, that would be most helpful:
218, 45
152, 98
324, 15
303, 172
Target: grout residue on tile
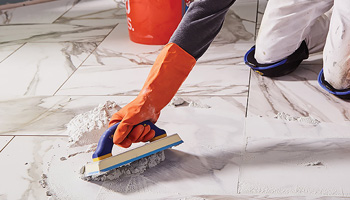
287, 117
86, 128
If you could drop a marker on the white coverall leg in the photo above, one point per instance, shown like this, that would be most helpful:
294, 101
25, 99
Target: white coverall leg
336, 53
287, 23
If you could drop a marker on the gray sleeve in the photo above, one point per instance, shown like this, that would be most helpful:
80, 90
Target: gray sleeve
200, 25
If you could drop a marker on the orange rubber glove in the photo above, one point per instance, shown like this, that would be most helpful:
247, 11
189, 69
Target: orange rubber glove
169, 71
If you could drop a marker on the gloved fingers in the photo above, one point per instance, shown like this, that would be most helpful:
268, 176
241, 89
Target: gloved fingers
125, 143
121, 133
136, 133
116, 117
144, 133
150, 135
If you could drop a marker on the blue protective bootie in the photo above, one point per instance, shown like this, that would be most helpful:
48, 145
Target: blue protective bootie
343, 94
280, 68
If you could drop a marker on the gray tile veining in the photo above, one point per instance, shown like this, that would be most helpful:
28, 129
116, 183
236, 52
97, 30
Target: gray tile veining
43, 33
115, 80
298, 95
30, 15
45, 115
40, 69
104, 12
24, 167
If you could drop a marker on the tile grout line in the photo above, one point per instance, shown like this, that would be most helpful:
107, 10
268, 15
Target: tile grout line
73, 5
13, 52
84, 60
249, 84
7, 143
247, 105
244, 133
256, 19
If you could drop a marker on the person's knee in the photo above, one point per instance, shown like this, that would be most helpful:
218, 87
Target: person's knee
270, 52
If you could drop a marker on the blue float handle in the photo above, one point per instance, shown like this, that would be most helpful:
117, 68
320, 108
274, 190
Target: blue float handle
105, 144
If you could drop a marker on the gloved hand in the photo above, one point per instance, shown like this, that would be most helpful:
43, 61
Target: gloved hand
169, 71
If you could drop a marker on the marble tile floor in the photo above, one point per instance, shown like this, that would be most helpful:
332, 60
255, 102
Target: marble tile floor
246, 136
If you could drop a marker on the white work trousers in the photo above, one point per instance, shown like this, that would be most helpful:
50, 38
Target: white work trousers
286, 23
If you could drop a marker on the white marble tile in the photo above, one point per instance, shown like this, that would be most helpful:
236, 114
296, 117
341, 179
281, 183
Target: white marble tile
236, 36
30, 15
34, 114
303, 166
7, 50
239, 24
28, 160
128, 80
40, 69
106, 80
53, 33
297, 95
45, 115
217, 80
24, 167
225, 54
244, 12
4, 140
118, 49
95, 13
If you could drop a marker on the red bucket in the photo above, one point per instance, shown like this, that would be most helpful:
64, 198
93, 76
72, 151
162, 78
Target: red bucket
153, 21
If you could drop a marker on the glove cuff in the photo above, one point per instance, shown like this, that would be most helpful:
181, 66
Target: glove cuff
168, 72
